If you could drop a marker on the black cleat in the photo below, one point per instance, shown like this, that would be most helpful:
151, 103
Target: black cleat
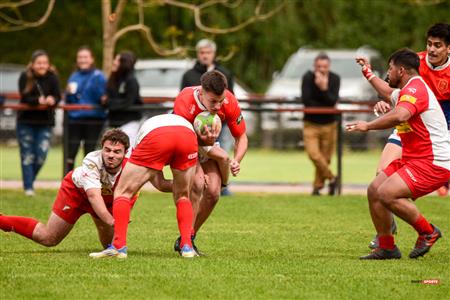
425, 242
374, 244
177, 248
332, 186
380, 253
315, 192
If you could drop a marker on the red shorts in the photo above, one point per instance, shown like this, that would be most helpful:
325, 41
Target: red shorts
72, 202
169, 145
421, 176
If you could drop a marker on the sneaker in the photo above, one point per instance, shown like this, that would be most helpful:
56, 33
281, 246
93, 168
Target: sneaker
177, 246
226, 192
111, 251
29, 193
188, 252
380, 253
425, 242
374, 244
332, 186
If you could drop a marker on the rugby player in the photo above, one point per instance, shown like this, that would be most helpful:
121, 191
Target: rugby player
435, 70
162, 140
87, 189
425, 162
212, 95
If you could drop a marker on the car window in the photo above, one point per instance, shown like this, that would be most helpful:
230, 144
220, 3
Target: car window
160, 77
9, 80
344, 67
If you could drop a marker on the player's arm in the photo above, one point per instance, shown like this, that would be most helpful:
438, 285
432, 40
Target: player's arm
160, 183
396, 116
240, 148
95, 198
381, 86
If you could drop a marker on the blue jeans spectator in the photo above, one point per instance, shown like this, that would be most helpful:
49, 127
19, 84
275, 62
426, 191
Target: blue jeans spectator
34, 143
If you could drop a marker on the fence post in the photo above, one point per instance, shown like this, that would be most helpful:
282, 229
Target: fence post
65, 142
339, 153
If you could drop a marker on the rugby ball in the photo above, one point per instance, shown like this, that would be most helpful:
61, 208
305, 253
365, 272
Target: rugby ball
208, 119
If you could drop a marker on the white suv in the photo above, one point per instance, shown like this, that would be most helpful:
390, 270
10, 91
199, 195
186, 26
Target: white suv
287, 84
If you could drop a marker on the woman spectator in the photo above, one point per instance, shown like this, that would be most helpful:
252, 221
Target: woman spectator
85, 86
122, 92
38, 85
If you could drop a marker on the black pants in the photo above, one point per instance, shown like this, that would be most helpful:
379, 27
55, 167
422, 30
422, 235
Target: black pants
86, 130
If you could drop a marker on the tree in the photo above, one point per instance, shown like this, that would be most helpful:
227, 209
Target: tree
11, 18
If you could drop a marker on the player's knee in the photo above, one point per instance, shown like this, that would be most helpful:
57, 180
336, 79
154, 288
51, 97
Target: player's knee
199, 184
372, 192
50, 241
385, 196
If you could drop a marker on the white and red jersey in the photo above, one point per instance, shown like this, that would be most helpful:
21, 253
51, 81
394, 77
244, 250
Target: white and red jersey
425, 134
161, 121
437, 78
188, 105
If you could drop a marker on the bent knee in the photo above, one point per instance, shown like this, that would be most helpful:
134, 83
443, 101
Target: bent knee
50, 242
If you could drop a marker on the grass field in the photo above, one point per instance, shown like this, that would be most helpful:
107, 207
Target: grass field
259, 246
257, 166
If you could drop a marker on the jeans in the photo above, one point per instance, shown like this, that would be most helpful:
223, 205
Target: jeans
34, 143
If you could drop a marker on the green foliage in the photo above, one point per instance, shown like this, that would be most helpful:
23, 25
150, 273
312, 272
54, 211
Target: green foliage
258, 247
262, 48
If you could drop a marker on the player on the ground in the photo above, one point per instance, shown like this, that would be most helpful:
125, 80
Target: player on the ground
87, 189
162, 140
435, 70
214, 97
425, 162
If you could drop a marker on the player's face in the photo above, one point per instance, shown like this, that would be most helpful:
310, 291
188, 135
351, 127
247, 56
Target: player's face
211, 101
206, 56
113, 155
322, 66
393, 75
437, 51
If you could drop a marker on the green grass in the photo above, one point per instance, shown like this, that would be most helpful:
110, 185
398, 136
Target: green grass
257, 166
259, 246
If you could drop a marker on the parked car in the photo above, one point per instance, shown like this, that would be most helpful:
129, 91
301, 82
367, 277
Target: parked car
287, 84
162, 78
9, 82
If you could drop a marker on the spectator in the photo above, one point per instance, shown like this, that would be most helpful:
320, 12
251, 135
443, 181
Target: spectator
320, 89
206, 55
38, 85
122, 91
85, 86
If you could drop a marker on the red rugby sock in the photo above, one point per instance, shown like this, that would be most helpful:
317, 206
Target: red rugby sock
422, 226
121, 214
185, 216
386, 242
21, 225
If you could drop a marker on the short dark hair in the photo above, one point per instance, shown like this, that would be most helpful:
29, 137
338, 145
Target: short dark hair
440, 30
116, 136
321, 56
214, 81
405, 58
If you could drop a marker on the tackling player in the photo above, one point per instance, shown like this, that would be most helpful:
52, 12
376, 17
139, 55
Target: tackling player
214, 97
162, 140
435, 70
87, 189
425, 162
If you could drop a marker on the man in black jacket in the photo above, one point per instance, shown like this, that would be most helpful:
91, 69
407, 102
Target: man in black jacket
206, 55
320, 88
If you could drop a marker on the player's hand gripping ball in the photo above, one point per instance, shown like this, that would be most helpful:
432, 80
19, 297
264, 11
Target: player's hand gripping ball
212, 121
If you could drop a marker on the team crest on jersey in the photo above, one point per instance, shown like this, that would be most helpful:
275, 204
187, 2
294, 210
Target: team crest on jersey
403, 127
442, 85
107, 190
412, 90
408, 98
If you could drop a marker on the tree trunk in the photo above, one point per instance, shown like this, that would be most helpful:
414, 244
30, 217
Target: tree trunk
108, 42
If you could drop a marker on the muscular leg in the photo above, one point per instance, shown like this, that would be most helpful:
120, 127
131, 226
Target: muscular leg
381, 216
394, 194
198, 187
52, 233
390, 153
105, 232
210, 194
